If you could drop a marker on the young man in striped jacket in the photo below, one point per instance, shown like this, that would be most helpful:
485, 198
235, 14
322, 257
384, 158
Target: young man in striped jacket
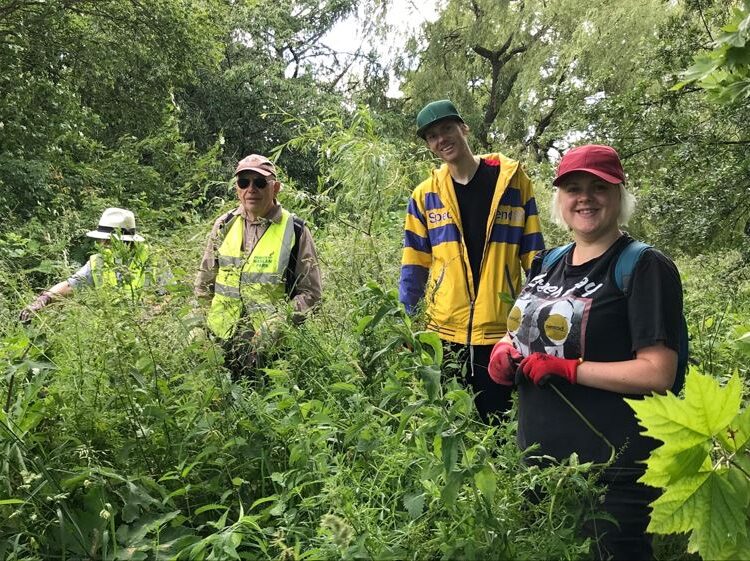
470, 229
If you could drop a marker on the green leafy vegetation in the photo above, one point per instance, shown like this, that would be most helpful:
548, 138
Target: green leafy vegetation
122, 434
702, 465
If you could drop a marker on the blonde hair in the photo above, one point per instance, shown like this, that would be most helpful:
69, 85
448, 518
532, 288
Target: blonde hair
627, 207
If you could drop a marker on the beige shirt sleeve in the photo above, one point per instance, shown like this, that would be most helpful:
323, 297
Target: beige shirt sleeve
209, 266
308, 286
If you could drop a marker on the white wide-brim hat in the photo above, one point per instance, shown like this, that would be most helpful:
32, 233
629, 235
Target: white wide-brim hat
118, 222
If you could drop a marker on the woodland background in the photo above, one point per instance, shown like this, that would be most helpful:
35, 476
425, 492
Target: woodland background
123, 438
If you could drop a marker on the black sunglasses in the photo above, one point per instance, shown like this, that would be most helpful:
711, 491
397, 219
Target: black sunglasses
258, 182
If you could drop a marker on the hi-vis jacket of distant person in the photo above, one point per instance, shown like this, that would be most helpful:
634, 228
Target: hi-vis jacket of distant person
435, 263
132, 276
254, 282
123, 261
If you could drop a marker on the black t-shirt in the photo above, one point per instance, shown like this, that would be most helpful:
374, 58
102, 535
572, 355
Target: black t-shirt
474, 202
578, 311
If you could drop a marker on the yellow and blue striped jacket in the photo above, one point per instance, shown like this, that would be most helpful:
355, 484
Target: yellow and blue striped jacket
435, 262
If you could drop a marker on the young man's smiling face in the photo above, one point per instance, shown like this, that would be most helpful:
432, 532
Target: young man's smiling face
447, 140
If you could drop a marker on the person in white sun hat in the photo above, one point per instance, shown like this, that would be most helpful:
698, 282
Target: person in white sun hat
122, 260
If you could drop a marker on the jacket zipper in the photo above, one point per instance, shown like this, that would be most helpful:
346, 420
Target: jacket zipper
493, 213
471, 309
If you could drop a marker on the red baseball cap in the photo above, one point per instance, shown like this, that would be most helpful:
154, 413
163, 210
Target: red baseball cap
602, 161
256, 162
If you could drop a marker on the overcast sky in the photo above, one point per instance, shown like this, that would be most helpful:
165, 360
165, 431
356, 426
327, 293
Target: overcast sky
404, 15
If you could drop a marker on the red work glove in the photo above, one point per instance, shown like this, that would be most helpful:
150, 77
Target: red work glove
504, 360
538, 367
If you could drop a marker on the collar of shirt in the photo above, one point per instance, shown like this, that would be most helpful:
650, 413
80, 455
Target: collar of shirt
273, 215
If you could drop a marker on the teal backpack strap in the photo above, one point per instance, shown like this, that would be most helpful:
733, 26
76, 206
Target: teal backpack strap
626, 264
554, 255
624, 268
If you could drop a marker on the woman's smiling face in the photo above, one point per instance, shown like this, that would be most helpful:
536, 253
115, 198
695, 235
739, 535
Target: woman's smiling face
589, 205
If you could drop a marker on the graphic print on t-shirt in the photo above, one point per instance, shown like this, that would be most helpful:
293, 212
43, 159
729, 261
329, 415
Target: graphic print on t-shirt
556, 326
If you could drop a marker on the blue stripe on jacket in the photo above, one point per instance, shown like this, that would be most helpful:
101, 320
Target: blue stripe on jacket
511, 197
503, 233
531, 242
432, 201
413, 209
444, 234
417, 242
411, 285
530, 208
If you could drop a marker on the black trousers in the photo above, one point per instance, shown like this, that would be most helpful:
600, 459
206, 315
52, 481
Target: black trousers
469, 365
627, 502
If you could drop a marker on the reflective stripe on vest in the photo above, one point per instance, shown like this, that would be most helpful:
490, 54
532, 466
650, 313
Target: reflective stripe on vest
247, 285
105, 269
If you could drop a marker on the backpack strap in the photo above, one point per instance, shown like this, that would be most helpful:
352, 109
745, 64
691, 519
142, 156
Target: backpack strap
626, 263
624, 268
291, 279
554, 255
224, 222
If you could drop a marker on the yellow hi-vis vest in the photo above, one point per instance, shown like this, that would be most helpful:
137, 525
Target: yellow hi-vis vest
104, 269
249, 284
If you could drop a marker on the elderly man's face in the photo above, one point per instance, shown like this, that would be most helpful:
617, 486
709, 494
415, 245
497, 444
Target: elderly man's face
256, 192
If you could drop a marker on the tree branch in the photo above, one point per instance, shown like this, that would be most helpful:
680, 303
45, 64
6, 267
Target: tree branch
703, 19
692, 141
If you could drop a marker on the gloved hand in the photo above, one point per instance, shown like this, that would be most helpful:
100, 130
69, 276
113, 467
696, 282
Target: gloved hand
196, 334
268, 334
504, 360
538, 367
42, 300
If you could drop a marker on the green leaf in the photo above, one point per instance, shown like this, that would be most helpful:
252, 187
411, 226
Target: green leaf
432, 340
666, 466
452, 486
739, 57
684, 423
743, 342
138, 499
188, 469
362, 324
146, 524
11, 501
430, 375
344, 387
264, 500
739, 550
737, 434
730, 36
414, 504
703, 66
206, 508
449, 450
706, 504
486, 482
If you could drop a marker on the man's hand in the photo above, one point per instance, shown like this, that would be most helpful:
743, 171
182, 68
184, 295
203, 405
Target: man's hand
504, 360
268, 334
538, 367
34, 307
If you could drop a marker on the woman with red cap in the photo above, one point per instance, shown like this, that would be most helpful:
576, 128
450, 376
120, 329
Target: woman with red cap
581, 340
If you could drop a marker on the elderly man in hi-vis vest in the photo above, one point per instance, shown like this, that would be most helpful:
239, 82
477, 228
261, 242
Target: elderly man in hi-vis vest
258, 256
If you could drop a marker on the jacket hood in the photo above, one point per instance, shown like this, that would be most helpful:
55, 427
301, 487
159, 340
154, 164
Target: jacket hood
508, 165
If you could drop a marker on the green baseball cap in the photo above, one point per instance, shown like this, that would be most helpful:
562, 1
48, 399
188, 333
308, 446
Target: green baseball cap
436, 111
